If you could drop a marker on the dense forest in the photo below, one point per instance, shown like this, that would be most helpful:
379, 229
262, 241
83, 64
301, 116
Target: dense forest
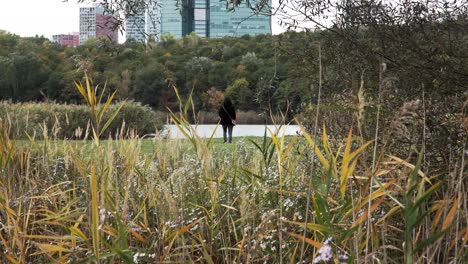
247, 68
261, 73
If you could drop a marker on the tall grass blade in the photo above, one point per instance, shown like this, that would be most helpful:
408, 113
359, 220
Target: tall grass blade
94, 212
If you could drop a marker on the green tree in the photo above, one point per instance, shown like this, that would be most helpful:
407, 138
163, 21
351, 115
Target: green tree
240, 93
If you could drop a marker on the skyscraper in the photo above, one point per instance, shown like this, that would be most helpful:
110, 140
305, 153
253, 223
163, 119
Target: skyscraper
87, 23
135, 24
237, 22
213, 19
144, 21
207, 18
95, 22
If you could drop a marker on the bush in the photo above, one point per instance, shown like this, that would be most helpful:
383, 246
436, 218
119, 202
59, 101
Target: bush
63, 121
243, 118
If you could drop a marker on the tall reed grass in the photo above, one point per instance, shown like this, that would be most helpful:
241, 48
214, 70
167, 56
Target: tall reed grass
196, 201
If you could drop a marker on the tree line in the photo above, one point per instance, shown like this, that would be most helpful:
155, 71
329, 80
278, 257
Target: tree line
261, 73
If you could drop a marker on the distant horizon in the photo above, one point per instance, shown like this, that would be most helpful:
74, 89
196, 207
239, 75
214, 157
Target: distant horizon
52, 17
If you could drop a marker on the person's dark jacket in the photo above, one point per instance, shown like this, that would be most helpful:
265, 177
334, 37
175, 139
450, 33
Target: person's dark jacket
227, 113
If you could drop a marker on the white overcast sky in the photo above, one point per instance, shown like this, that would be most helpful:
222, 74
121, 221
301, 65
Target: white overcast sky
47, 17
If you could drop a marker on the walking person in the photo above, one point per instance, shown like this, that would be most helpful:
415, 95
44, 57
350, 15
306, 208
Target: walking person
227, 113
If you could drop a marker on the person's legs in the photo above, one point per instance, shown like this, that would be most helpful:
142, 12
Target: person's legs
225, 127
230, 128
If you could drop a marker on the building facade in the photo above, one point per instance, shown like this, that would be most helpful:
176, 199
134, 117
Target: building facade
87, 23
215, 19
144, 22
95, 22
67, 40
236, 22
207, 18
135, 24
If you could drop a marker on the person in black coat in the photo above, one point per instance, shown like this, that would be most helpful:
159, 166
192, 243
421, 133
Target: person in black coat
227, 113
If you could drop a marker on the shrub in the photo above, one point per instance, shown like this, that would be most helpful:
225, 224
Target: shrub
62, 121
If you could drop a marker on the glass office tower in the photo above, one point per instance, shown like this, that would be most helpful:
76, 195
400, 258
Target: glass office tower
201, 18
210, 19
240, 21
153, 20
144, 22
135, 25
171, 18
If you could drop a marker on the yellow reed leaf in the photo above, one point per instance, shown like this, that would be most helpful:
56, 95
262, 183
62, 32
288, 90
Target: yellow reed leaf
309, 241
408, 165
439, 208
183, 229
138, 236
325, 141
46, 248
77, 232
311, 226
377, 193
82, 91
451, 214
349, 161
288, 148
317, 151
109, 230
50, 237
366, 213
12, 259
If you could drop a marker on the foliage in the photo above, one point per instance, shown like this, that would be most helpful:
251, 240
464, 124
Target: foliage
190, 200
73, 121
195, 200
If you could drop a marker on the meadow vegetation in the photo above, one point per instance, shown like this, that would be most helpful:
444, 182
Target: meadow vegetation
309, 198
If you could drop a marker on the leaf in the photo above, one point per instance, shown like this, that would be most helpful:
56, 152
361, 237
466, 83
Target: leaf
421, 198
325, 141
408, 165
317, 151
183, 229
307, 240
228, 207
111, 118
77, 232
138, 236
82, 91
423, 244
94, 211
288, 148
52, 248
451, 214
105, 106
90, 93
311, 226
366, 213
12, 259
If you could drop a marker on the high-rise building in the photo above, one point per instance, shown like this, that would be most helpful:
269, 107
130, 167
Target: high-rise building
237, 22
153, 20
87, 23
135, 24
144, 22
213, 19
106, 24
95, 22
68, 40
207, 18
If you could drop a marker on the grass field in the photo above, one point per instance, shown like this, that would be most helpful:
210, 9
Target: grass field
307, 199
191, 200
